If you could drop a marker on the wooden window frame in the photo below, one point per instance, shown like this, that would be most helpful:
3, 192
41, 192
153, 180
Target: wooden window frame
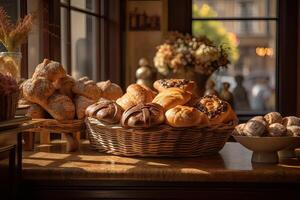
179, 18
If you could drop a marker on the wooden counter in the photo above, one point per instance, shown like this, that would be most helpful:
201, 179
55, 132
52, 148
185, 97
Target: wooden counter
51, 167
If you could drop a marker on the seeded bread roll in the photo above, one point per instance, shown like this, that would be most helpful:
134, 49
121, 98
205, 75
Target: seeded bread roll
64, 85
184, 84
38, 90
87, 88
50, 70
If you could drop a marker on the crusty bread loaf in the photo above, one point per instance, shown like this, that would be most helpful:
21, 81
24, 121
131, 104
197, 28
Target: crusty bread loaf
136, 94
185, 116
64, 85
81, 103
87, 88
50, 70
36, 111
172, 97
60, 107
110, 90
38, 90
184, 84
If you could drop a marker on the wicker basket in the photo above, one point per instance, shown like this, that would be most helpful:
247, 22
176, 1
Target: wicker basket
161, 141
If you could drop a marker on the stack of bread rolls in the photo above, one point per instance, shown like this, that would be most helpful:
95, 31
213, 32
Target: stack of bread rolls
173, 104
270, 125
52, 93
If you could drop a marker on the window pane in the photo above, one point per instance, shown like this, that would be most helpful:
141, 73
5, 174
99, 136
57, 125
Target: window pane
85, 45
234, 8
64, 37
90, 5
252, 51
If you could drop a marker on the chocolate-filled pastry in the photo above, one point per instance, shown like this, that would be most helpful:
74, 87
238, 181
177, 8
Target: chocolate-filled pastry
105, 110
185, 116
184, 84
273, 117
256, 126
143, 116
217, 110
291, 121
293, 131
277, 130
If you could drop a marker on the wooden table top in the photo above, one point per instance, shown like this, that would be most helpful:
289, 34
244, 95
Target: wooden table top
23, 126
231, 165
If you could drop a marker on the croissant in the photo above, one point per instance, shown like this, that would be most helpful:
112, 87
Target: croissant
143, 116
185, 116
105, 111
172, 97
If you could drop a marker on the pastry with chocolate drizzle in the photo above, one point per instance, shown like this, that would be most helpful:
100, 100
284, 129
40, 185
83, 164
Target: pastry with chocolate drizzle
164, 84
217, 110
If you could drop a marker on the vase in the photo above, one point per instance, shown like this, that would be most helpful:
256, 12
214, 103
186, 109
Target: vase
8, 106
190, 74
10, 62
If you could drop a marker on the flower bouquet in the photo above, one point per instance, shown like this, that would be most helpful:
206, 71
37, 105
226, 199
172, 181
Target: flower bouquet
186, 56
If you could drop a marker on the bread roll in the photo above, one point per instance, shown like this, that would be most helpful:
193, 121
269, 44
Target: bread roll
81, 103
291, 121
143, 116
110, 90
293, 131
184, 116
184, 84
255, 127
36, 111
60, 107
172, 97
50, 70
38, 90
239, 130
273, 117
277, 130
64, 85
87, 88
106, 111
136, 94
217, 110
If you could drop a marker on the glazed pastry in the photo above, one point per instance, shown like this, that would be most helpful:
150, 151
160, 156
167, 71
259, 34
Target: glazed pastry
260, 119
184, 116
60, 107
255, 127
172, 97
184, 84
105, 110
37, 90
293, 131
136, 94
81, 103
143, 116
291, 121
35, 111
217, 110
110, 90
273, 117
87, 88
50, 70
277, 130
239, 130
64, 85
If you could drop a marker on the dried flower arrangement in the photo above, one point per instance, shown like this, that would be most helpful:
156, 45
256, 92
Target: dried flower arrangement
13, 35
185, 51
8, 85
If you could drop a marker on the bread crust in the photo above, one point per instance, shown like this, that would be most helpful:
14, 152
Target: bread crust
87, 88
50, 70
81, 103
110, 90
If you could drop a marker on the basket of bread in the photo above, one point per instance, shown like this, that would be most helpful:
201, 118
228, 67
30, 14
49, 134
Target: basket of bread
171, 122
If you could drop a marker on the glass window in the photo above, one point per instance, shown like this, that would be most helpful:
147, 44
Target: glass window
248, 28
